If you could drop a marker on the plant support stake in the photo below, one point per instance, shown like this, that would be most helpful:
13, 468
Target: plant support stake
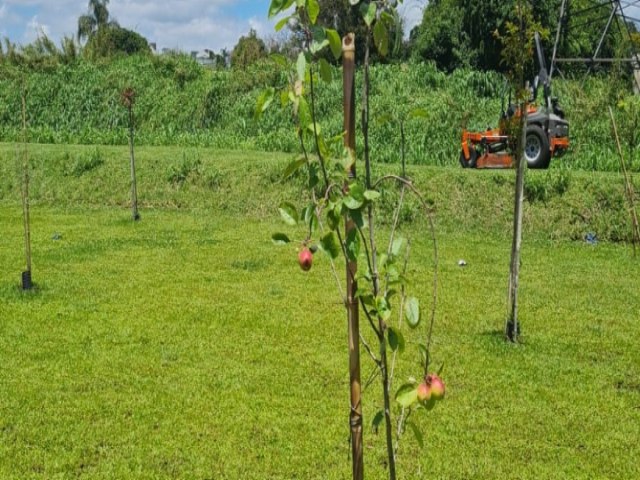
26, 275
353, 318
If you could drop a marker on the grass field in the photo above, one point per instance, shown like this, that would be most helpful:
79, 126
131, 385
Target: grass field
188, 346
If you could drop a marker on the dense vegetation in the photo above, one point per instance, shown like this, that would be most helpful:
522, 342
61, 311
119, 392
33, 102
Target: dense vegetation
179, 102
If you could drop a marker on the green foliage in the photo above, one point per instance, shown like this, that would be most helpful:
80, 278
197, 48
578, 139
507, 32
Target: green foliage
180, 103
113, 40
248, 50
462, 33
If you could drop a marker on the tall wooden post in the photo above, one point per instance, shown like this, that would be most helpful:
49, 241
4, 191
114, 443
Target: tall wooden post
128, 99
27, 283
134, 188
353, 313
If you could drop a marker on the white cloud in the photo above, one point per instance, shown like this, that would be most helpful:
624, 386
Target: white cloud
411, 11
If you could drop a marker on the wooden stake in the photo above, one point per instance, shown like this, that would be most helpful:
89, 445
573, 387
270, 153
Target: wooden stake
629, 189
26, 275
134, 189
353, 314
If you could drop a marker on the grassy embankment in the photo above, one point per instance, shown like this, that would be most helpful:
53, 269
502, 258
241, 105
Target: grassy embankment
188, 346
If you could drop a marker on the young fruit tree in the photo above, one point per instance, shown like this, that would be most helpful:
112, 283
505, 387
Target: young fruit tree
518, 42
340, 219
128, 97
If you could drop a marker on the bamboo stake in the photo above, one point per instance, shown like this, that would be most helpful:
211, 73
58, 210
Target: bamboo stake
353, 314
629, 189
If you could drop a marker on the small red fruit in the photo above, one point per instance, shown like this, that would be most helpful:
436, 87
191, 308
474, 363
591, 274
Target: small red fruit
424, 392
305, 259
437, 386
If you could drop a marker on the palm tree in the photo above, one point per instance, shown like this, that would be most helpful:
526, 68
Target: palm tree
95, 19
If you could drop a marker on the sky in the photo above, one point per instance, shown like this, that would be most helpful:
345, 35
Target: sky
188, 25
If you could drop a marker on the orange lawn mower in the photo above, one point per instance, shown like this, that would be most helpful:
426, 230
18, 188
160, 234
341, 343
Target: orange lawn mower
547, 131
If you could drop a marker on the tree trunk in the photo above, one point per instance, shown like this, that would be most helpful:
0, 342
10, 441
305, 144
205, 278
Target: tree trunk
512, 328
353, 314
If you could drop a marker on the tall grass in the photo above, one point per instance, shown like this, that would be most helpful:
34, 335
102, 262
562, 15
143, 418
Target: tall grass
180, 103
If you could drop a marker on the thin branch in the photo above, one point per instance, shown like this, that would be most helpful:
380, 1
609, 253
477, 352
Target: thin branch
429, 215
369, 351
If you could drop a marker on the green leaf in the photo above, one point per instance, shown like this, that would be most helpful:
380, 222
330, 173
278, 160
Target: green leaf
371, 195
333, 219
353, 245
407, 395
424, 354
355, 199
330, 244
416, 433
280, 239
293, 167
381, 38
412, 312
288, 213
264, 100
301, 66
322, 146
397, 246
325, 71
313, 9
310, 216
304, 113
314, 179
368, 12
358, 218
396, 340
280, 25
278, 6
377, 420
335, 44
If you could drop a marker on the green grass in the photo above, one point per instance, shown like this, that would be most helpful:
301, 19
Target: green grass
188, 346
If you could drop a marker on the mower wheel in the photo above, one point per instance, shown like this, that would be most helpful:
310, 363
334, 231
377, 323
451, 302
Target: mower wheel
473, 159
536, 149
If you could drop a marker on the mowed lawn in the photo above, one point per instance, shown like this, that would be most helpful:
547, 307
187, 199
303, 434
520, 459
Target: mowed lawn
188, 346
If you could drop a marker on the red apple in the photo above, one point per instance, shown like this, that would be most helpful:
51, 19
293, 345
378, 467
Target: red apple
424, 392
305, 259
437, 386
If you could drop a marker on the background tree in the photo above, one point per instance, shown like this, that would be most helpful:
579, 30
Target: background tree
462, 33
248, 50
114, 39
95, 20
